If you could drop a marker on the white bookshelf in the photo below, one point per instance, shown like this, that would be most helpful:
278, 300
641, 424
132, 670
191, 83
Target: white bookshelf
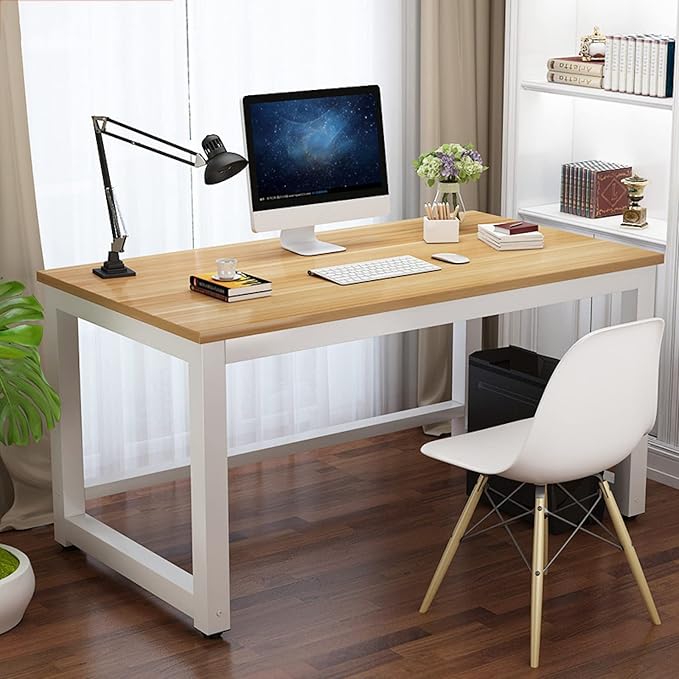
652, 237
548, 124
597, 94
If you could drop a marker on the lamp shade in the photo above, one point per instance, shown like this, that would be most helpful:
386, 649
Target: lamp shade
221, 164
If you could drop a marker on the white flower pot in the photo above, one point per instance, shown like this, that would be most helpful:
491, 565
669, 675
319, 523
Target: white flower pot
16, 591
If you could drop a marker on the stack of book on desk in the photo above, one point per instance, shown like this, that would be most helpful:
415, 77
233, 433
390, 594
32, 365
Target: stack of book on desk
511, 236
245, 287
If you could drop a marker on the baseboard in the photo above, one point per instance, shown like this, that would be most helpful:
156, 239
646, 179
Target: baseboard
663, 463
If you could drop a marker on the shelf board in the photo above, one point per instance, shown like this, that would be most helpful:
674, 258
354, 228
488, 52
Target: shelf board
653, 237
600, 95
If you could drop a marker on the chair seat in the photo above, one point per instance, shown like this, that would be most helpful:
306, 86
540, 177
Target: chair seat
487, 451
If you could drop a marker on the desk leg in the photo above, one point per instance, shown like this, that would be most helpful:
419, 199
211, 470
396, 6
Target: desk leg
209, 489
467, 338
68, 484
630, 475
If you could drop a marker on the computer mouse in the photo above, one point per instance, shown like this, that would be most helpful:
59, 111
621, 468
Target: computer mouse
451, 258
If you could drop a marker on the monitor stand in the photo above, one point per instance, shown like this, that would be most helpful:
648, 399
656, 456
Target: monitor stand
303, 241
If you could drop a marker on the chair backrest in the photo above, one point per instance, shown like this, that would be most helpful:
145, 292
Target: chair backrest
600, 401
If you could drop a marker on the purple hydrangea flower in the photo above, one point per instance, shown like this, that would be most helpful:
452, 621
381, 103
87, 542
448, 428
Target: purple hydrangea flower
448, 169
474, 155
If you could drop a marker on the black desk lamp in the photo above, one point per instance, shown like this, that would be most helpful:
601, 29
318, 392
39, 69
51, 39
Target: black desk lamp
220, 165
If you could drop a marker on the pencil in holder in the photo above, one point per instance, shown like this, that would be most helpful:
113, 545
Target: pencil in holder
441, 230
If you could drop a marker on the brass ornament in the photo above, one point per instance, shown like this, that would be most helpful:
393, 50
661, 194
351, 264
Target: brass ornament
634, 215
593, 46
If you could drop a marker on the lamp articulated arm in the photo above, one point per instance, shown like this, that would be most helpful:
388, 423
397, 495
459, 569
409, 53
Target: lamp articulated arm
220, 165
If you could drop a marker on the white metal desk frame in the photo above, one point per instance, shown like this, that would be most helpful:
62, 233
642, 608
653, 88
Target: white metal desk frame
205, 595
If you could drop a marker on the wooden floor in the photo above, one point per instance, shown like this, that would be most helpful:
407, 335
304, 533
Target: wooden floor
331, 554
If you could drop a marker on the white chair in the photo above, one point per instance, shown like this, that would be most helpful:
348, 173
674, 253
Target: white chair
599, 403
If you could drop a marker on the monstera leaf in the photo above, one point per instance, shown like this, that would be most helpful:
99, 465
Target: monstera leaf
28, 405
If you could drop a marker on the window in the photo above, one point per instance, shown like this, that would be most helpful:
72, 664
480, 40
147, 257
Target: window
179, 71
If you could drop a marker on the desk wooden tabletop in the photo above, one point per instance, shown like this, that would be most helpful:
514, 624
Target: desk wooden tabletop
159, 294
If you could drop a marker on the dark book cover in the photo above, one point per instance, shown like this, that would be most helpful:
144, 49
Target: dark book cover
513, 228
609, 195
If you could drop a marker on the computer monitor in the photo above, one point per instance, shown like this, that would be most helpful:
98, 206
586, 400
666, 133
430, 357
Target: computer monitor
315, 157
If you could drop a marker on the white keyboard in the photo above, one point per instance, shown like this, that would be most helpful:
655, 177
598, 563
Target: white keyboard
374, 270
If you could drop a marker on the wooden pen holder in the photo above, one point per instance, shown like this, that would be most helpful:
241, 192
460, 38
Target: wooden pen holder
441, 230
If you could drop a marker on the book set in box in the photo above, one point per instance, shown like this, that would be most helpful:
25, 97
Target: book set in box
593, 188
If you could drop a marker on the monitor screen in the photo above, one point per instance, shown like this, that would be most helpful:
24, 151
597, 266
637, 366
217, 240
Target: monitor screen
314, 147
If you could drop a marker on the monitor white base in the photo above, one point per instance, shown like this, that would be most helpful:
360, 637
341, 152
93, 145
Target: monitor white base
303, 241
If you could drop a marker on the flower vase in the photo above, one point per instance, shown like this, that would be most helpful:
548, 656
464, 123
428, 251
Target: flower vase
449, 192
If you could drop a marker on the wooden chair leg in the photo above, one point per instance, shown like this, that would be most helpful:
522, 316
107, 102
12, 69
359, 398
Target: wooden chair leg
630, 552
537, 577
546, 557
454, 542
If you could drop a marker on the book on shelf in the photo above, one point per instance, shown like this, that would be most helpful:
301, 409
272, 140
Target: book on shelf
614, 42
641, 63
576, 66
579, 79
622, 64
246, 286
630, 64
593, 188
532, 240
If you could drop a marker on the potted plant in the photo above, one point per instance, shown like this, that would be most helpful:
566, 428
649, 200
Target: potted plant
28, 408
448, 166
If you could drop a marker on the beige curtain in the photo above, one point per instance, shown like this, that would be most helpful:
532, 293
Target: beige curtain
28, 501
462, 76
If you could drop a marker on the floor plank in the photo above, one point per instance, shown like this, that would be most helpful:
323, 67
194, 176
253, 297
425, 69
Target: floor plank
332, 551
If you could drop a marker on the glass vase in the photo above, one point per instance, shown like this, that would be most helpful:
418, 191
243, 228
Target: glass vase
449, 192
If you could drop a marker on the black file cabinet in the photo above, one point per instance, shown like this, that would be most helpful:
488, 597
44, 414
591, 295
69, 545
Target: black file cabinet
505, 385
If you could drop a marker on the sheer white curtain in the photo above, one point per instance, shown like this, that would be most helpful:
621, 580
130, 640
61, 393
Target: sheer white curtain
272, 46
180, 77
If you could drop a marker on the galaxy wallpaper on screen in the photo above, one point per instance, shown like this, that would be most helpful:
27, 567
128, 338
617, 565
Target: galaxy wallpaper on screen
314, 146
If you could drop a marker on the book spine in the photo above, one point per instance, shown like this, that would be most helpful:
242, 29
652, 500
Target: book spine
662, 68
593, 190
251, 295
653, 68
622, 64
669, 82
204, 286
596, 181
638, 57
576, 67
568, 188
531, 228
210, 293
578, 190
588, 191
571, 79
575, 189
561, 188
645, 67
615, 62
583, 191
606, 84
631, 61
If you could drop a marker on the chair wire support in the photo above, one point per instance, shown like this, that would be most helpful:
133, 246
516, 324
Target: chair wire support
474, 530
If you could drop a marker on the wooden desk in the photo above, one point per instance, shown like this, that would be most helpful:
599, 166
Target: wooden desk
157, 309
